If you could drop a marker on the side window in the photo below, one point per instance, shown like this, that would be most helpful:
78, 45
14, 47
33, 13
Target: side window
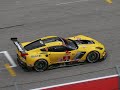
69, 49
43, 49
57, 49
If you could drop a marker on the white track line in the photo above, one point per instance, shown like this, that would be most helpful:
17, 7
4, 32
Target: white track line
98, 78
71, 2
7, 55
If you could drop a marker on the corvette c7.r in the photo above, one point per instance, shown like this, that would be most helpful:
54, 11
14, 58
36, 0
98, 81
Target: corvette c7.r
50, 51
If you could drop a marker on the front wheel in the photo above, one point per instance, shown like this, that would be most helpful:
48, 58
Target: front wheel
93, 57
40, 65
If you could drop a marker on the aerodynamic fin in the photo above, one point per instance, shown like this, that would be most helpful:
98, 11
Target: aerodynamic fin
18, 45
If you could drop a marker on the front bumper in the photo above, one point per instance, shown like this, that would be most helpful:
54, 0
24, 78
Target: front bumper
104, 55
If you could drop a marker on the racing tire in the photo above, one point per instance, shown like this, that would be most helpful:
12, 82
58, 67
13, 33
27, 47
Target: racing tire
93, 57
40, 65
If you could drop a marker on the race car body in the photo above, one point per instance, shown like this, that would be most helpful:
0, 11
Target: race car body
53, 50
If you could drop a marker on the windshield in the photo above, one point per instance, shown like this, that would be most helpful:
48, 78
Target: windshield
70, 44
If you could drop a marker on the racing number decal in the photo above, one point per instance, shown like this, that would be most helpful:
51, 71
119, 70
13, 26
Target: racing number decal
77, 57
67, 56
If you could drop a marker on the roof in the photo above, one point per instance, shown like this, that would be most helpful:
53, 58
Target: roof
57, 43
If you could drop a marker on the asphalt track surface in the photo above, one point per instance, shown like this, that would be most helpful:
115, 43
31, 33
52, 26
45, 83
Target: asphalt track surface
32, 19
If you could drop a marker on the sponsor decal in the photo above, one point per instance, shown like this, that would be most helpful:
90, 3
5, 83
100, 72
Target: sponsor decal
35, 56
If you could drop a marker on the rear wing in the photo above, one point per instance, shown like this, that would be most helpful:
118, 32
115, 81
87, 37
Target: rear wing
18, 45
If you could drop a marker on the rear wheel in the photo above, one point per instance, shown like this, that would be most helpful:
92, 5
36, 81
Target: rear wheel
93, 57
40, 65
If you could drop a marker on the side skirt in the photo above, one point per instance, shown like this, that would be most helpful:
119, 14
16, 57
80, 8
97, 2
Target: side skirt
65, 64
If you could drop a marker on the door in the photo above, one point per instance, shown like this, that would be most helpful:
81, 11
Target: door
59, 54
56, 53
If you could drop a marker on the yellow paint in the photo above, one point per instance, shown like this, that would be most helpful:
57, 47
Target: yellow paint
53, 57
109, 1
11, 71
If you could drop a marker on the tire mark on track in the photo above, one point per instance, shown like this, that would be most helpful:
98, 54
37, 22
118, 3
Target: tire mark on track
12, 26
92, 13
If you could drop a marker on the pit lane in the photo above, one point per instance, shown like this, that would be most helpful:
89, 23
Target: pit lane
96, 19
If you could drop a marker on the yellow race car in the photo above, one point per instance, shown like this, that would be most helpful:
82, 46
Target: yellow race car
53, 51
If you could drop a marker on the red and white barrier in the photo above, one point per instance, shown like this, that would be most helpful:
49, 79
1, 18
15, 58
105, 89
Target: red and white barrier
101, 83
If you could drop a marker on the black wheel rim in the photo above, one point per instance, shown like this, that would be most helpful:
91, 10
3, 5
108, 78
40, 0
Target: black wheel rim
93, 57
39, 66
